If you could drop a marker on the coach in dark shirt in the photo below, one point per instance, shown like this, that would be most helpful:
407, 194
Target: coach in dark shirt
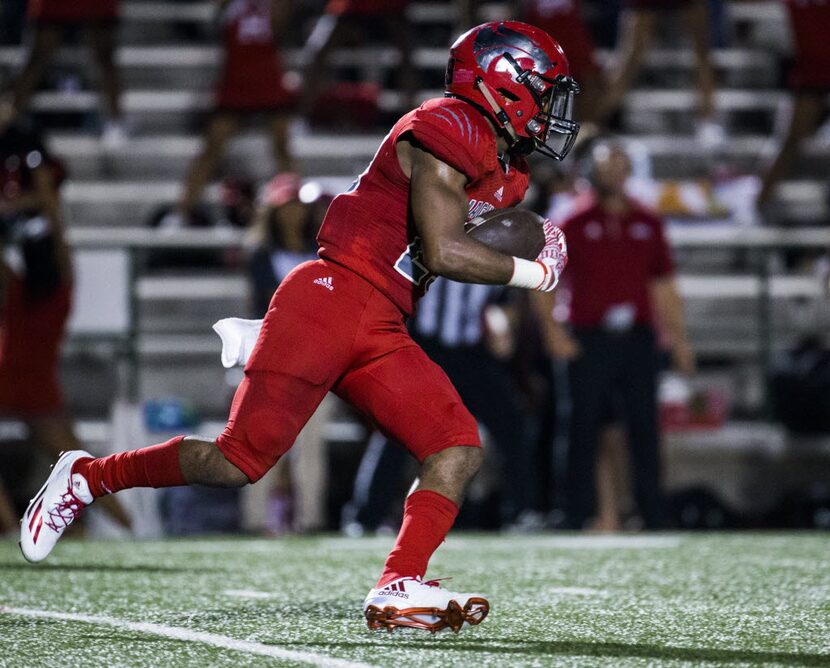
621, 277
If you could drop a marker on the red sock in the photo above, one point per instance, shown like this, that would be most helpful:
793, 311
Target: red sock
156, 466
427, 518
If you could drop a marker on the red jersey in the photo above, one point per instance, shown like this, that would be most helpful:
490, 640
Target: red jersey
369, 230
612, 261
252, 77
73, 11
811, 25
31, 331
562, 20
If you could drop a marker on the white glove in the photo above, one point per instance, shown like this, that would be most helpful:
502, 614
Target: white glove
239, 336
543, 273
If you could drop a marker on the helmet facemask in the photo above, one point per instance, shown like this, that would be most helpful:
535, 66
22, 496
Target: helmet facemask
551, 131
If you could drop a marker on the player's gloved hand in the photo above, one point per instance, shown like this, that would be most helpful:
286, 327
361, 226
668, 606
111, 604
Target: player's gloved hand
543, 273
554, 256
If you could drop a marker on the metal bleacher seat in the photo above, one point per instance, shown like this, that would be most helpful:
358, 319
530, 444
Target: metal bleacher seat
109, 195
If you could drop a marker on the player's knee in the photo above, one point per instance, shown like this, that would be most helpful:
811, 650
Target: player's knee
457, 464
233, 477
204, 464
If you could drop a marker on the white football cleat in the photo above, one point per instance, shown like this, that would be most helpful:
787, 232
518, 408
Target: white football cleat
55, 507
413, 603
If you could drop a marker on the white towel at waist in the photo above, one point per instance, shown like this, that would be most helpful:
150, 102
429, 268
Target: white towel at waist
238, 339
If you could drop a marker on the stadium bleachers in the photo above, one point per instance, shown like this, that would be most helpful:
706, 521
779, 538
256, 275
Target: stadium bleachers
168, 80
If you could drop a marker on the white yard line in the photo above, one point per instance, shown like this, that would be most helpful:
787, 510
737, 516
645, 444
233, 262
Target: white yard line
576, 591
611, 542
247, 593
188, 635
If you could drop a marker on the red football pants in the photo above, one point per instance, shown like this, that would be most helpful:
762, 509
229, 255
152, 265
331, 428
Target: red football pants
329, 329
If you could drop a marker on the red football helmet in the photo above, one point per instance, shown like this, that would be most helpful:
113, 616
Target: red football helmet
518, 76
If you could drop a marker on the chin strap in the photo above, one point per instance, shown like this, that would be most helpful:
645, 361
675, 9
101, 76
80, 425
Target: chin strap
500, 114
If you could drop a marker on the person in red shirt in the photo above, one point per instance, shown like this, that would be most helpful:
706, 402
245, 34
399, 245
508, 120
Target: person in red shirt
810, 82
50, 20
252, 81
621, 278
338, 323
35, 293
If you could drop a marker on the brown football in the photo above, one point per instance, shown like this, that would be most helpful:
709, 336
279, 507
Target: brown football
511, 231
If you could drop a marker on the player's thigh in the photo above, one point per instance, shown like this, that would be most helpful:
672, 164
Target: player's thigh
268, 412
411, 400
305, 344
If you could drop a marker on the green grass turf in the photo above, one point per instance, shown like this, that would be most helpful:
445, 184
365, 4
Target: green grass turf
646, 600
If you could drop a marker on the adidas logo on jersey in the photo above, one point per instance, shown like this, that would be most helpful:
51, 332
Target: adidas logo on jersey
499, 193
325, 282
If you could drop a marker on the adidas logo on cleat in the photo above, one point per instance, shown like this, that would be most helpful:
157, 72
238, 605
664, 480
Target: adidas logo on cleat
395, 589
325, 282
391, 592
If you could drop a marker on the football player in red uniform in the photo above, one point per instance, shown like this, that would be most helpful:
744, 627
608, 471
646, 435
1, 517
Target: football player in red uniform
337, 323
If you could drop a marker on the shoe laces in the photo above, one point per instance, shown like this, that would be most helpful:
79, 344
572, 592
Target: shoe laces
66, 511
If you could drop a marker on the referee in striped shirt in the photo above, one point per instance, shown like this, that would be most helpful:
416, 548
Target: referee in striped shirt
449, 325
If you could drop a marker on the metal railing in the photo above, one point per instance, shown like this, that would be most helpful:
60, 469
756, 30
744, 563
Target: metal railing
758, 243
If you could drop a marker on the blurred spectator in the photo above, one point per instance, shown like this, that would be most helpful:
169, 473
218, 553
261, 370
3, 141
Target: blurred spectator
562, 19
621, 279
50, 20
238, 199
464, 329
252, 82
356, 20
283, 237
35, 294
638, 25
809, 81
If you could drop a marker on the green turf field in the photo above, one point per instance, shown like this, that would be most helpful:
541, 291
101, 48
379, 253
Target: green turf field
661, 600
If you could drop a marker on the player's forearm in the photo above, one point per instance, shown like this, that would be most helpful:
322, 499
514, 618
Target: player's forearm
468, 261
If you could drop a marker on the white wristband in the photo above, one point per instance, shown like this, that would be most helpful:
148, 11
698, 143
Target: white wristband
527, 274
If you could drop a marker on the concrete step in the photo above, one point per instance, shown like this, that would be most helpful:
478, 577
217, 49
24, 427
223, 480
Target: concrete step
130, 203
168, 155
645, 111
194, 67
